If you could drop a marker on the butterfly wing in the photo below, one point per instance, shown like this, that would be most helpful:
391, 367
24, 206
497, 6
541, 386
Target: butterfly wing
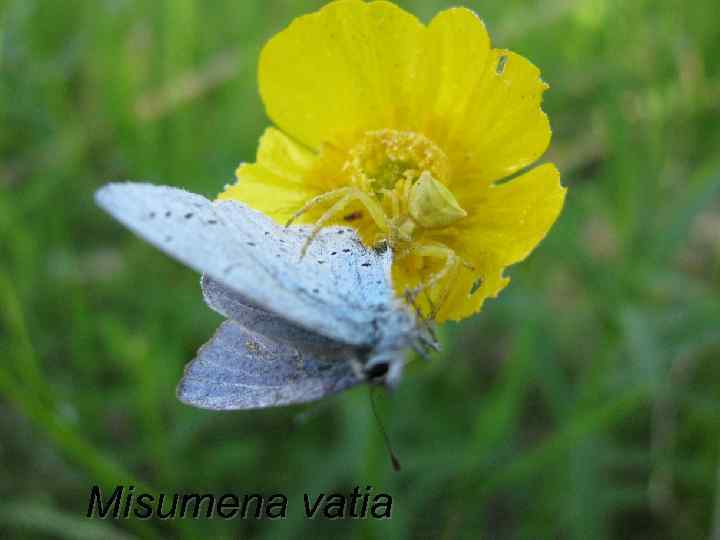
337, 289
234, 306
241, 369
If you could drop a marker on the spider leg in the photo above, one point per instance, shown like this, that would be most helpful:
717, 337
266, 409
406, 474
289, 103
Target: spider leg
452, 261
395, 203
390, 234
329, 213
373, 207
452, 264
407, 185
439, 251
349, 194
319, 199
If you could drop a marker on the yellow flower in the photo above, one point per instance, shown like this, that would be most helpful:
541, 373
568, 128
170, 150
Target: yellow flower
404, 131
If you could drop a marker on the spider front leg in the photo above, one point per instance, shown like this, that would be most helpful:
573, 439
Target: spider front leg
315, 201
346, 196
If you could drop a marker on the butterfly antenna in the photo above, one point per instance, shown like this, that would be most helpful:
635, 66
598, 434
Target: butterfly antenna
393, 458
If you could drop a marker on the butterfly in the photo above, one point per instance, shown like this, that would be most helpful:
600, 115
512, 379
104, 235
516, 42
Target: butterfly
299, 326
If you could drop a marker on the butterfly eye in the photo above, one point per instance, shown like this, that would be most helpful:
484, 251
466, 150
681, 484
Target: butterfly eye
376, 371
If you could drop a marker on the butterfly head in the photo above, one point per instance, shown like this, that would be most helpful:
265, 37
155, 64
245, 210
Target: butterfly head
385, 368
399, 330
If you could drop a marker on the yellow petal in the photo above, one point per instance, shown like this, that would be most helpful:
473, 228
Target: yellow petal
508, 130
467, 289
482, 104
355, 66
276, 184
456, 49
283, 157
470, 289
510, 219
506, 224
345, 68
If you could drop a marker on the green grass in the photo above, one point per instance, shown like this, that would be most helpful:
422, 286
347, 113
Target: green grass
582, 404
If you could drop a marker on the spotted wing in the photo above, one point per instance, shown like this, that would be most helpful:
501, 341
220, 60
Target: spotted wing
241, 369
337, 289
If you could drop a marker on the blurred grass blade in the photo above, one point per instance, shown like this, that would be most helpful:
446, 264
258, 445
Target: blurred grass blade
36, 518
28, 392
703, 190
556, 446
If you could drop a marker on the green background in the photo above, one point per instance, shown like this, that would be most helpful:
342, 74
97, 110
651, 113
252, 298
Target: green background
584, 403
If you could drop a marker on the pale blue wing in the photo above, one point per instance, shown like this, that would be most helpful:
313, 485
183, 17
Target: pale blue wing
339, 289
241, 369
232, 305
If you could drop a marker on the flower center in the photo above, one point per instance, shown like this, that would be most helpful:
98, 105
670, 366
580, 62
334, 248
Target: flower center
384, 157
405, 174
